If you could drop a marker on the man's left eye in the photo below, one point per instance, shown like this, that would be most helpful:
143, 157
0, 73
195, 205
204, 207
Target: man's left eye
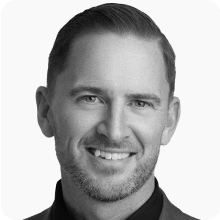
142, 104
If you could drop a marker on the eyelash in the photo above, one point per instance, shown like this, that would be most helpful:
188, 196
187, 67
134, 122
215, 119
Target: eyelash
84, 98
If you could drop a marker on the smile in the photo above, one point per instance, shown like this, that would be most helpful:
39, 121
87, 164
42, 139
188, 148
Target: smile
109, 155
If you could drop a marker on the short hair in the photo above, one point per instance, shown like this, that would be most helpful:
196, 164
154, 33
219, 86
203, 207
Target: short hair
111, 17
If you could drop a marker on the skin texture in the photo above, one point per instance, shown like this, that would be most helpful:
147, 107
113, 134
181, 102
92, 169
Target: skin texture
113, 96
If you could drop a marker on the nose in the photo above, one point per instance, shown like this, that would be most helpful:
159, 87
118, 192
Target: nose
114, 125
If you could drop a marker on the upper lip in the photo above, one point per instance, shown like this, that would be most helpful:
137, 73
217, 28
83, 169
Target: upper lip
114, 150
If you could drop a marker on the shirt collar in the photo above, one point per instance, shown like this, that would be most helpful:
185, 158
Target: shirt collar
149, 210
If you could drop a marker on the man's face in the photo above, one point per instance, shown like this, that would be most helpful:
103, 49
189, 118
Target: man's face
109, 113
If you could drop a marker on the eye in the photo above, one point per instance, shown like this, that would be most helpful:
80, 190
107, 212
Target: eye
142, 104
90, 99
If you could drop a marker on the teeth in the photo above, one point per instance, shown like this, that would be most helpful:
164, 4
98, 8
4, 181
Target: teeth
115, 156
97, 153
110, 156
124, 155
102, 153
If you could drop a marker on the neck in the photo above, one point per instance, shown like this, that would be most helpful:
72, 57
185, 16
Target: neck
85, 208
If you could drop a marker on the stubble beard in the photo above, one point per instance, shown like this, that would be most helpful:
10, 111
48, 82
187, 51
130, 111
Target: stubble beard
99, 190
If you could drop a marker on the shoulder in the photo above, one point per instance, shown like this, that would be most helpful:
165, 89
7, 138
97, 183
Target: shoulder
171, 212
45, 215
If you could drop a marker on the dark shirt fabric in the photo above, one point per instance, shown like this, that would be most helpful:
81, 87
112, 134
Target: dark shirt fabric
150, 210
157, 207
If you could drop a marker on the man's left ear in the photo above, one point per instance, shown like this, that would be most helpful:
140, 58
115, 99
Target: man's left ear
172, 120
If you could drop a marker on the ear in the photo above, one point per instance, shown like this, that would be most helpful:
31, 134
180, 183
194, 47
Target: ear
44, 111
173, 116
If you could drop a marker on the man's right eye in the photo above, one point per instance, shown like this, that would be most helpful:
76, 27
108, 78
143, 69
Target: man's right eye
90, 99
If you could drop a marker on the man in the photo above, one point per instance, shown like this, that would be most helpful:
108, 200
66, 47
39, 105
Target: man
109, 105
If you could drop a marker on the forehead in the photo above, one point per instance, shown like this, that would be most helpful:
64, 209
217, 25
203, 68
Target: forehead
118, 63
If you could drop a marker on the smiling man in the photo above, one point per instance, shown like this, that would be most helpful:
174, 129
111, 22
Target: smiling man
109, 105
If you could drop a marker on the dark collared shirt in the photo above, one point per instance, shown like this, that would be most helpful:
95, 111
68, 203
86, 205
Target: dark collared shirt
150, 210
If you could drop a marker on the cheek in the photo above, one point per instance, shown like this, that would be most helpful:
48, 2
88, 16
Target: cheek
149, 132
75, 124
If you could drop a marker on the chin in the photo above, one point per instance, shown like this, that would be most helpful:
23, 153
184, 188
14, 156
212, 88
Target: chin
108, 189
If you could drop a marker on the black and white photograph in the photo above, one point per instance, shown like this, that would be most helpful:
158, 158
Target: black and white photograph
110, 110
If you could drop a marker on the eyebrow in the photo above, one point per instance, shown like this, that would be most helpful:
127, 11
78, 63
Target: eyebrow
105, 92
90, 89
147, 96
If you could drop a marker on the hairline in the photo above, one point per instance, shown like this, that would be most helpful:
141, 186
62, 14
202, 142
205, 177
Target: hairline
103, 31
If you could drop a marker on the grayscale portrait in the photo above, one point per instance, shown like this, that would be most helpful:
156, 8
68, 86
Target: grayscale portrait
109, 111
109, 105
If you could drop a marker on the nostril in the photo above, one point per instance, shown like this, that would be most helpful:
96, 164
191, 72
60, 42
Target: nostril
101, 129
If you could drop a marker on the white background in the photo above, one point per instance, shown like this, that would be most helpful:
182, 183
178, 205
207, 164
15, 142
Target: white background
188, 168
